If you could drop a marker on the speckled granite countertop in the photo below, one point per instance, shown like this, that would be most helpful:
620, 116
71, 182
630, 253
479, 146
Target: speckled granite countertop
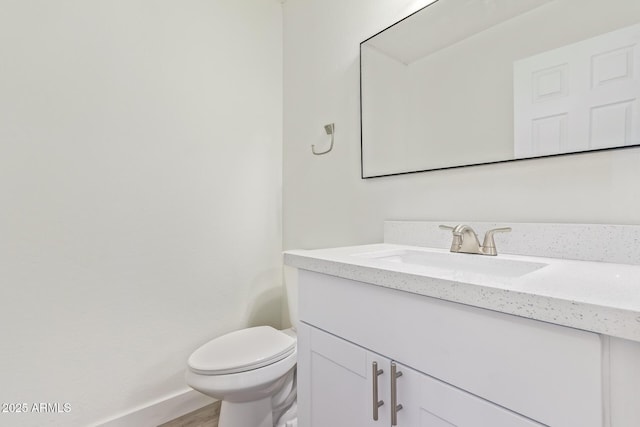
594, 296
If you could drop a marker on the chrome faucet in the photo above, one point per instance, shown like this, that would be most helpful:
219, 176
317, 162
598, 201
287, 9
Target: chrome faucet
465, 240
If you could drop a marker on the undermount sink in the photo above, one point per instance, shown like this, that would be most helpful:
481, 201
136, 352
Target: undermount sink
457, 262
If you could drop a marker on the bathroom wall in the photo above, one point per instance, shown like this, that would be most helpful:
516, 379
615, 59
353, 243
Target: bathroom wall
140, 186
327, 204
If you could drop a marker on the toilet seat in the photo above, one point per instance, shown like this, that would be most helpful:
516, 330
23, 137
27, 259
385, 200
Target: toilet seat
241, 351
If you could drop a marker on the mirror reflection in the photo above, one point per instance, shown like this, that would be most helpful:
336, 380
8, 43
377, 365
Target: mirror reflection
466, 82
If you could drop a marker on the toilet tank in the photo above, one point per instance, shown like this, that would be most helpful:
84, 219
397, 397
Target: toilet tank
291, 287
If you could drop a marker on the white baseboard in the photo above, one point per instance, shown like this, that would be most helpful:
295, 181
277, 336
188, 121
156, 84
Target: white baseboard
161, 411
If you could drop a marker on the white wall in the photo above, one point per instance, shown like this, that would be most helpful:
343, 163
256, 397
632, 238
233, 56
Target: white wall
327, 204
140, 186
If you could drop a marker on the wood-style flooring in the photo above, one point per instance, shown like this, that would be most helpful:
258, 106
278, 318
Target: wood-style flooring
203, 417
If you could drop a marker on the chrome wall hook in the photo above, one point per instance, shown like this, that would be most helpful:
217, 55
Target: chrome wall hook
330, 128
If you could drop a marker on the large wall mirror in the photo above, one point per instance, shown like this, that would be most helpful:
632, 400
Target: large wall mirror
468, 82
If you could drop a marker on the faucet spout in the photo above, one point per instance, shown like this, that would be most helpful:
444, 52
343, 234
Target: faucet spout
467, 239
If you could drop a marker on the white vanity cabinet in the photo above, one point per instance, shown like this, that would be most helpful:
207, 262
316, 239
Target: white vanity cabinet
340, 388
461, 366
338, 381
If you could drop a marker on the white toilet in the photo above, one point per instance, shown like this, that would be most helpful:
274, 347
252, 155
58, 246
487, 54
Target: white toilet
252, 371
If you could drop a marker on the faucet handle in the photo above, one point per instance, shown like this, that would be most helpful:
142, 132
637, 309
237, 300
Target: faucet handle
457, 240
489, 244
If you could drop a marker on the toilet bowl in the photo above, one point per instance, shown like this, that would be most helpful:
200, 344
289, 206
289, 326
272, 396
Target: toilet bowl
252, 371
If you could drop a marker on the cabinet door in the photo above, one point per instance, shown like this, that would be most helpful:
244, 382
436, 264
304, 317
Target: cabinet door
335, 382
437, 404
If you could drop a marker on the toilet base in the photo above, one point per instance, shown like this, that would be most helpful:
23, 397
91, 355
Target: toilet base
255, 413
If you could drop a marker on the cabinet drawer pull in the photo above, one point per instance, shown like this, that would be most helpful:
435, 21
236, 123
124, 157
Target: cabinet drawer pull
395, 407
375, 373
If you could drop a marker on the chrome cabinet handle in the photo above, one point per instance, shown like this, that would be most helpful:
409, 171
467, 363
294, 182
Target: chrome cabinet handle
395, 407
375, 373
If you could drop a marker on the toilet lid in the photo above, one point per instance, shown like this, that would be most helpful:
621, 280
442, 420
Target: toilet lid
241, 351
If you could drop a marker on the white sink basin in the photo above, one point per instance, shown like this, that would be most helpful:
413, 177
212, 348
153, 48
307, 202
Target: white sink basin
480, 264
